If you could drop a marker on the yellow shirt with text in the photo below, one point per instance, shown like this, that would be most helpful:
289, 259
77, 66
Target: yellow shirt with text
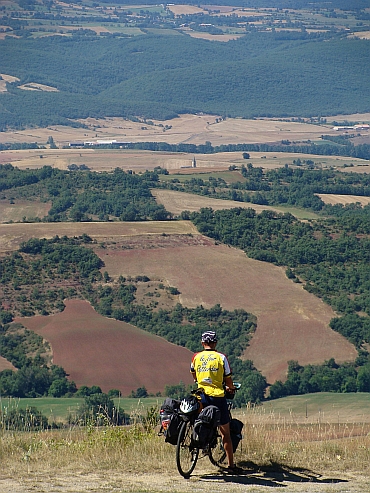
210, 368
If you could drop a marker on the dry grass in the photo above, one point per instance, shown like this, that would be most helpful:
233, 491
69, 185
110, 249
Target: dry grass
292, 323
192, 129
276, 451
176, 202
333, 199
213, 37
21, 209
314, 445
307, 450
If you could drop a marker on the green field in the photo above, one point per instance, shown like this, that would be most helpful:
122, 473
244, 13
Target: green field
58, 409
324, 407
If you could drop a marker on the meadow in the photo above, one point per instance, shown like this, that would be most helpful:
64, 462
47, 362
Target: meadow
321, 408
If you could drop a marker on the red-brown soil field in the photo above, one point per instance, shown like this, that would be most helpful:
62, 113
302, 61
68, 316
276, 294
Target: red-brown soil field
292, 323
95, 350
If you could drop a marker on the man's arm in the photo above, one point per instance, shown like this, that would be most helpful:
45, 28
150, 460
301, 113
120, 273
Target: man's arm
229, 383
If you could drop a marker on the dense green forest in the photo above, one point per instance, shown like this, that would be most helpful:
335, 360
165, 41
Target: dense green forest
260, 74
119, 61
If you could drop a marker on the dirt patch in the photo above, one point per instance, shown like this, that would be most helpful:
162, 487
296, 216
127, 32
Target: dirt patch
204, 479
95, 350
292, 323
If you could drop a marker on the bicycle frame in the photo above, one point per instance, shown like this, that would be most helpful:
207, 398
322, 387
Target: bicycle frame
187, 454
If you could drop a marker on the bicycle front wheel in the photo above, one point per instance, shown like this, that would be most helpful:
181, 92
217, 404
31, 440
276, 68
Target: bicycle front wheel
186, 454
217, 454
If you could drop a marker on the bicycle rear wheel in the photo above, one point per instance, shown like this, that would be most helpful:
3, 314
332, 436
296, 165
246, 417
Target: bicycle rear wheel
217, 454
186, 454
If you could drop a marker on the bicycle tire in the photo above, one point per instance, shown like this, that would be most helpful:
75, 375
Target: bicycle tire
186, 454
217, 454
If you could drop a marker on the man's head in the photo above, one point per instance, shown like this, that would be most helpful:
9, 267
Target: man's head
209, 339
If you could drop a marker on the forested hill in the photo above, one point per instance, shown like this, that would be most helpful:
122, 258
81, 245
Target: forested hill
259, 74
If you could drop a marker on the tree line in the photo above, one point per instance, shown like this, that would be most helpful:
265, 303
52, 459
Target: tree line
287, 186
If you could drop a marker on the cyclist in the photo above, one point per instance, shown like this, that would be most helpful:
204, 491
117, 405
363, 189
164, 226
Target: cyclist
211, 371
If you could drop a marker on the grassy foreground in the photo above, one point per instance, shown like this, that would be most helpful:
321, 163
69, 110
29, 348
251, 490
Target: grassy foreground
269, 441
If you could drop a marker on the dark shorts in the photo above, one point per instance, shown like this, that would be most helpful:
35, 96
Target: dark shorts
219, 402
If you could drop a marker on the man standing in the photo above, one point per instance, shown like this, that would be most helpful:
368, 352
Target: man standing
211, 370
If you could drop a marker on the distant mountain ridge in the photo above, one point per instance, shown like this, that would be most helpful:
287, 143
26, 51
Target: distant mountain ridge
264, 74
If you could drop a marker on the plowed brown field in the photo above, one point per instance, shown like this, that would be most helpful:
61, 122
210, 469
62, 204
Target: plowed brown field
95, 350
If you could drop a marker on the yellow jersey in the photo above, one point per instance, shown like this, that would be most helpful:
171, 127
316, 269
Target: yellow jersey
210, 368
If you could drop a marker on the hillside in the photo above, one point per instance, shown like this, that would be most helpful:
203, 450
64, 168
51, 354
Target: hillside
291, 323
95, 350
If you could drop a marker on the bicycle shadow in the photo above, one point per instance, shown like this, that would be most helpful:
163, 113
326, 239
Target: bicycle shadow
274, 475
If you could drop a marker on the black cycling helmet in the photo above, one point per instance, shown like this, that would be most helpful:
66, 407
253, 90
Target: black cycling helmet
209, 336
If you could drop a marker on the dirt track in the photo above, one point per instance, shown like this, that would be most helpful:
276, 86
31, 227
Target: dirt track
203, 480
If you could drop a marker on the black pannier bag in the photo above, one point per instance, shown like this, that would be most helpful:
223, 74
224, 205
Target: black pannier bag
236, 427
170, 420
204, 426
